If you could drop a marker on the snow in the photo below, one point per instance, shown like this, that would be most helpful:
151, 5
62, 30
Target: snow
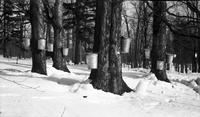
61, 94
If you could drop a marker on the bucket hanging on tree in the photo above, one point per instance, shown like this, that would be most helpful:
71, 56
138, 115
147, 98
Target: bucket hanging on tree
125, 44
92, 60
160, 65
65, 51
147, 52
170, 58
70, 43
174, 55
41, 44
50, 47
195, 55
27, 43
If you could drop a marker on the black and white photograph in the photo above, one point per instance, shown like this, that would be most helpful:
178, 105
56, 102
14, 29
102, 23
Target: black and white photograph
99, 58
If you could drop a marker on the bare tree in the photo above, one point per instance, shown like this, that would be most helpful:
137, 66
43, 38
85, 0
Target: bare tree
38, 56
54, 14
108, 76
159, 41
78, 15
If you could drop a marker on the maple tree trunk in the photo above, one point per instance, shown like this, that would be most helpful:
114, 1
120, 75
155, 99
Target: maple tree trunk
78, 56
159, 40
38, 56
59, 61
145, 26
198, 41
108, 76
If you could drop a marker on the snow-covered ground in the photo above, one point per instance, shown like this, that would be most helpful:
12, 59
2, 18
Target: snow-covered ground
60, 94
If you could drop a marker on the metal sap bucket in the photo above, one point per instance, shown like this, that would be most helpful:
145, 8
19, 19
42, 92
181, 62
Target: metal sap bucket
50, 47
65, 51
195, 55
160, 65
41, 44
147, 53
92, 60
170, 58
174, 55
27, 43
70, 43
125, 45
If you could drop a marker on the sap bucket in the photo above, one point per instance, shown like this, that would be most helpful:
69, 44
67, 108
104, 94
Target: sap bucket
41, 44
27, 43
50, 47
125, 45
70, 44
170, 58
160, 65
147, 52
174, 55
65, 51
92, 60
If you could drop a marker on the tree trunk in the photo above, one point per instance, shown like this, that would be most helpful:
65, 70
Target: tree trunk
145, 26
159, 40
198, 57
194, 61
50, 39
131, 55
5, 29
38, 56
127, 26
198, 46
136, 45
78, 57
182, 68
186, 68
59, 61
108, 76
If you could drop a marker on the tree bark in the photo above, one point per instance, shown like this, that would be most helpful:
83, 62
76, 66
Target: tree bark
127, 26
194, 59
59, 61
78, 57
198, 45
38, 56
108, 76
50, 39
186, 68
159, 40
5, 28
182, 68
198, 56
136, 55
145, 26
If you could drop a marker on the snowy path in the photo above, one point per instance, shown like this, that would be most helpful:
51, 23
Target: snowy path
26, 94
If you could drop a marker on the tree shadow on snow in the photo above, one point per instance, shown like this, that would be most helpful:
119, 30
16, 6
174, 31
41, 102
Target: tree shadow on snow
192, 84
84, 74
63, 81
16, 64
